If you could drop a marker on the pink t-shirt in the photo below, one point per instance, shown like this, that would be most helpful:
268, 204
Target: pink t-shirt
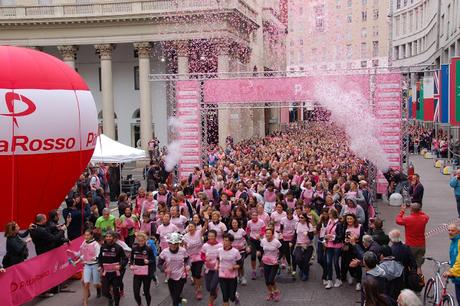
302, 231
271, 251
220, 228
270, 196
265, 218
227, 259
174, 263
179, 222
193, 245
149, 206
89, 252
225, 209
289, 227
255, 228
291, 204
210, 252
163, 230
307, 195
330, 230
354, 231
239, 241
276, 217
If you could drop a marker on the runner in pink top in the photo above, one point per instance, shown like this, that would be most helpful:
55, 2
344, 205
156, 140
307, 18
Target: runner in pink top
149, 205
307, 193
303, 249
255, 230
177, 219
334, 243
262, 214
270, 246
217, 225
164, 229
269, 198
209, 254
287, 232
193, 242
229, 259
290, 200
277, 215
173, 261
239, 243
225, 208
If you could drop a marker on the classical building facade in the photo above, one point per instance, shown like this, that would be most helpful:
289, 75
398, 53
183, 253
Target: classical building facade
425, 33
116, 45
337, 34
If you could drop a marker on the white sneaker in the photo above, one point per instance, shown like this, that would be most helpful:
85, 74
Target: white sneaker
358, 287
328, 284
244, 281
349, 279
324, 282
337, 283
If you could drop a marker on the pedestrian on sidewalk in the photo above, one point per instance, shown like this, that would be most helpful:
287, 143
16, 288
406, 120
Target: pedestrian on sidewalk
454, 271
416, 189
414, 225
455, 183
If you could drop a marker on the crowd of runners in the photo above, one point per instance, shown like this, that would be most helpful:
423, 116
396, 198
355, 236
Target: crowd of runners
279, 203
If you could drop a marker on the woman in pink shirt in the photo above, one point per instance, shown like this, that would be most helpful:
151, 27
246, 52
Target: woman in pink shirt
269, 197
307, 193
209, 254
149, 205
164, 229
177, 219
333, 240
270, 246
255, 230
139, 200
277, 215
173, 261
353, 230
239, 243
229, 259
287, 234
225, 208
193, 241
290, 200
303, 251
217, 226
262, 214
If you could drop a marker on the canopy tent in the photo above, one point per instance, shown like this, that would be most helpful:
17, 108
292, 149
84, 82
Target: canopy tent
110, 151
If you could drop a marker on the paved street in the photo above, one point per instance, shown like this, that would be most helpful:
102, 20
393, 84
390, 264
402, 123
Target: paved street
439, 203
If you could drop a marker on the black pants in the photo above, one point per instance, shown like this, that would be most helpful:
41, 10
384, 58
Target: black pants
270, 272
302, 258
175, 290
255, 246
211, 280
138, 281
228, 288
111, 279
356, 273
321, 257
286, 251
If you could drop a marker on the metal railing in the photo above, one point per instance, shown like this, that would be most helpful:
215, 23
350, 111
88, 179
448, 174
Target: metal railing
104, 9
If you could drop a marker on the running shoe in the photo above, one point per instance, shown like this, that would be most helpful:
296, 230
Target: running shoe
338, 283
358, 287
199, 295
254, 274
329, 284
277, 296
244, 281
183, 301
269, 297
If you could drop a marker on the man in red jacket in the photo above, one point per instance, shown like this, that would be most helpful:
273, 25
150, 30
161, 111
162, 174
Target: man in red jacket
414, 226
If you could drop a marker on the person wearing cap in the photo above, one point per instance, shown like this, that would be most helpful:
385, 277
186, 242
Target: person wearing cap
111, 258
455, 184
173, 261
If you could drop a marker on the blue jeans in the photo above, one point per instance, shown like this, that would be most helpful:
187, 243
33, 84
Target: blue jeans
458, 205
332, 259
321, 257
457, 293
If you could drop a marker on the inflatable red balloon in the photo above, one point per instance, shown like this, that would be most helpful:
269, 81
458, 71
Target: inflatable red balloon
48, 129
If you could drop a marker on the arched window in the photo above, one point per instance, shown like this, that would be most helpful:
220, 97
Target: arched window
99, 116
137, 114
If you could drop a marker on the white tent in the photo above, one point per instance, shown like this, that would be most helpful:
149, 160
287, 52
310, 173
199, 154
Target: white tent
110, 151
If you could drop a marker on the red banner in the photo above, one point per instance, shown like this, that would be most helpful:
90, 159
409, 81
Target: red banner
23, 282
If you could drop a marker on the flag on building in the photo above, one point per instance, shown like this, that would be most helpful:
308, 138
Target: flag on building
436, 95
455, 91
444, 94
410, 105
418, 91
428, 98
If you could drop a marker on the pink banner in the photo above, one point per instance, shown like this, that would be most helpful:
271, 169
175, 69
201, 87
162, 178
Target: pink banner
388, 113
188, 112
22, 282
284, 89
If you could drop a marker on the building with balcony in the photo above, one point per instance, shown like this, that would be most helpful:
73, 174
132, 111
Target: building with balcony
117, 44
425, 33
339, 34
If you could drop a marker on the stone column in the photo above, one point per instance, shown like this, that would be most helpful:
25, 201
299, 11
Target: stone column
108, 120
68, 53
223, 66
182, 58
143, 53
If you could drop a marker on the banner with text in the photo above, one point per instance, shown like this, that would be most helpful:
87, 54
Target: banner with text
23, 282
189, 134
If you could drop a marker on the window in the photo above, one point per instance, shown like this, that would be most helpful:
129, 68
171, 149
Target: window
301, 57
363, 50
375, 14
337, 4
348, 36
375, 48
364, 2
363, 64
349, 3
44, 2
319, 18
411, 21
291, 57
136, 77
397, 24
301, 42
398, 4
349, 52
349, 19
375, 31
375, 63
364, 15
363, 32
